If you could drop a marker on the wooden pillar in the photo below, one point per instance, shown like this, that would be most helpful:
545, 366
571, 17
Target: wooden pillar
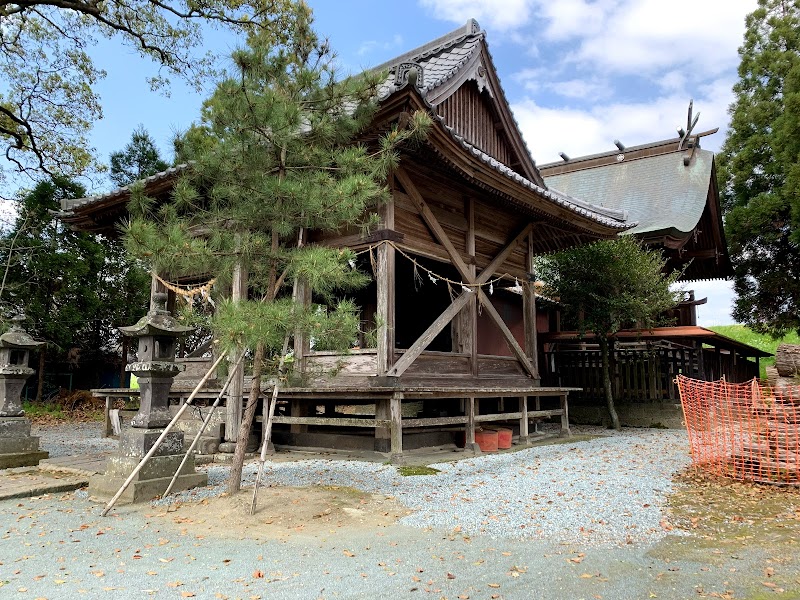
385, 314
529, 312
301, 293
565, 432
469, 430
383, 435
233, 405
523, 421
385, 283
396, 416
156, 287
465, 324
299, 407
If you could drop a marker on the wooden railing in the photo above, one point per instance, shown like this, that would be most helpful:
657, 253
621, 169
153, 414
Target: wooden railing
640, 375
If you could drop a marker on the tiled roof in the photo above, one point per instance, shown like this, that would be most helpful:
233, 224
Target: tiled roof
659, 192
70, 204
440, 59
611, 217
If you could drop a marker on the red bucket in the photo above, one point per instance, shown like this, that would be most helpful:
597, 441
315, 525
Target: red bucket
503, 438
486, 440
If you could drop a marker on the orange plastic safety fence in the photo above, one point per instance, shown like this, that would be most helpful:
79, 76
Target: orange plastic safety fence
746, 431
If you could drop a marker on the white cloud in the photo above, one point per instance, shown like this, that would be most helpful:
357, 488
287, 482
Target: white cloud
646, 36
640, 37
502, 15
720, 302
371, 46
578, 132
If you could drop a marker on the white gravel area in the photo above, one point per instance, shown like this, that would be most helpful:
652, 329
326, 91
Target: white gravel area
74, 439
605, 491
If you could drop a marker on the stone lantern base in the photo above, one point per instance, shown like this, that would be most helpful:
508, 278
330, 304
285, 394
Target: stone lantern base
155, 476
18, 448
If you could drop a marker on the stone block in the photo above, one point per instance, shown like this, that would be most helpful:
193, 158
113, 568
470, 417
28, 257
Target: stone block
137, 442
22, 459
155, 468
12, 445
15, 427
104, 487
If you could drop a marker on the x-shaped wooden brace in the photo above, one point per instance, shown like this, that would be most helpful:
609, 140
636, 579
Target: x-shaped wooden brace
444, 319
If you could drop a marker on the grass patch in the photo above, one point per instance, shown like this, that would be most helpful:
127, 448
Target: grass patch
43, 411
744, 334
411, 470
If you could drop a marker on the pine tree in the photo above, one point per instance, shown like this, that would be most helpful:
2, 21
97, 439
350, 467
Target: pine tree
139, 159
608, 286
759, 171
273, 157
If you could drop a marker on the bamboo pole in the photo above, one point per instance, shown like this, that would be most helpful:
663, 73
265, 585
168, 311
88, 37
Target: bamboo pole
206, 421
268, 427
160, 439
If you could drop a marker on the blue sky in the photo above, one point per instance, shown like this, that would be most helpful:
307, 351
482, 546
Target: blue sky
578, 73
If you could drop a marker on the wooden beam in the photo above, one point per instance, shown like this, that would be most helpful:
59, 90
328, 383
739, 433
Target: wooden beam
510, 340
500, 258
435, 421
431, 221
396, 412
430, 333
385, 314
332, 421
529, 312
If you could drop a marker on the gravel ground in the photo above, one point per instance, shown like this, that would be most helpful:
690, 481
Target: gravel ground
607, 491
74, 439
467, 541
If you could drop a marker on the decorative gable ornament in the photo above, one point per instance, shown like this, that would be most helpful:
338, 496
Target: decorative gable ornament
409, 73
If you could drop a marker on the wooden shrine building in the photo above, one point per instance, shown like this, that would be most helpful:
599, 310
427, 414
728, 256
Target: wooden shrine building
669, 188
469, 212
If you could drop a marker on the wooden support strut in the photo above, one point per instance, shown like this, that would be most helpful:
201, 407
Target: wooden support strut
430, 333
519, 353
466, 273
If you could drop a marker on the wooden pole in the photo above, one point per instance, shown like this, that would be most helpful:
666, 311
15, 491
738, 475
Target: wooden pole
268, 427
160, 439
206, 421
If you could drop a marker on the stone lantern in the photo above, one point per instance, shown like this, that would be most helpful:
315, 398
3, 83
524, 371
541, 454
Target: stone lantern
155, 366
17, 447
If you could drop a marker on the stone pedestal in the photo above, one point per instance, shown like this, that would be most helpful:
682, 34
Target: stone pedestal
155, 476
155, 380
18, 448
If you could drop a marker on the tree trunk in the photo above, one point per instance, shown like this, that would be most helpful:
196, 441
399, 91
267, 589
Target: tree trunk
612, 411
40, 376
235, 478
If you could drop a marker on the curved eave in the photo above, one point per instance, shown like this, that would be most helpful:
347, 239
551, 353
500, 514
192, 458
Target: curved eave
100, 213
490, 175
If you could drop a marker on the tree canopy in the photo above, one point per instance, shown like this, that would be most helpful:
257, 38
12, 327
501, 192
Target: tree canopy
74, 288
275, 155
759, 171
139, 159
608, 286
48, 102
